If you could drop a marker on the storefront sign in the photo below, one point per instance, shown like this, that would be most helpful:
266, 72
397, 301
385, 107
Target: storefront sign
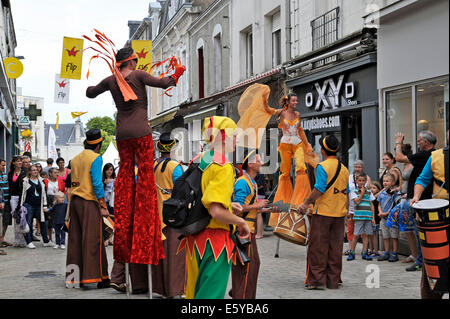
329, 93
320, 123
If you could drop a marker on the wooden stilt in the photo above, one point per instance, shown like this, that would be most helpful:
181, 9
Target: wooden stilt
127, 278
277, 250
150, 288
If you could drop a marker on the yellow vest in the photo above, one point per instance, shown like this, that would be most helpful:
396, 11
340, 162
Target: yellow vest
165, 181
333, 203
438, 168
81, 176
251, 216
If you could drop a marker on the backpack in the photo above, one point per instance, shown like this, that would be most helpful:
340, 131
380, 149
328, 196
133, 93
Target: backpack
184, 211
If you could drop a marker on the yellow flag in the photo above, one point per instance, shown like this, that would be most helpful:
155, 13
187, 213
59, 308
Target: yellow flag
143, 49
77, 114
72, 58
57, 120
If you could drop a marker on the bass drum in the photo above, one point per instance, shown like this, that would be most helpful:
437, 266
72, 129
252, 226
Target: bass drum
432, 217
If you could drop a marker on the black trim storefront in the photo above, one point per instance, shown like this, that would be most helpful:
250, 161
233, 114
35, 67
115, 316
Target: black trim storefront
343, 100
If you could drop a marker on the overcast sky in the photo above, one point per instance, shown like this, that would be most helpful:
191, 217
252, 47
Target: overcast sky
40, 27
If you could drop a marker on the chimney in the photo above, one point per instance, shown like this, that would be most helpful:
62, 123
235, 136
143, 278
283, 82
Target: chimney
133, 25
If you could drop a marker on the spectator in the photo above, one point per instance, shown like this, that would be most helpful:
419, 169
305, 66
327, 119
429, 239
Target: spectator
363, 215
27, 154
26, 163
49, 165
35, 201
108, 177
358, 168
2, 206
426, 142
58, 212
375, 188
39, 167
15, 183
388, 162
53, 185
63, 171
6, 215
386, 199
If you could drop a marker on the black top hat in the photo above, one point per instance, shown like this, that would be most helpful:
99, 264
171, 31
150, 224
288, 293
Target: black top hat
165, 143
330, 143
94, 136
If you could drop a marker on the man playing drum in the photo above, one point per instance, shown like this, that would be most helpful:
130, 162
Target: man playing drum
433, 172
327, 223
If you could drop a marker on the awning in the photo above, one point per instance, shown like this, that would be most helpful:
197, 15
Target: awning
201, 114
164, 117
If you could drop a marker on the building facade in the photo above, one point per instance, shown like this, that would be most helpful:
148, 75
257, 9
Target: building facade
69, 140
9, 142
413, 70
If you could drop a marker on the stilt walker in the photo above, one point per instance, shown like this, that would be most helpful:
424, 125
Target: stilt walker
137, 225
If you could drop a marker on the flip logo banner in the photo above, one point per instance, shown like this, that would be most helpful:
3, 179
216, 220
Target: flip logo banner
62, 90
72, 58
143, 49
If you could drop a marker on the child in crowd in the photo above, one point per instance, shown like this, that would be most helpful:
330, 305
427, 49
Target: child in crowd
375, 189
363, 215
387, 198
59, 215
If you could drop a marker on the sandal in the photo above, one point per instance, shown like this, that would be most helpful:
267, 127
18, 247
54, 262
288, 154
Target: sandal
6, 243
410, 259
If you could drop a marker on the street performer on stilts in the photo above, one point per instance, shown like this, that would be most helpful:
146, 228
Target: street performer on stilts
255, 113
137, 234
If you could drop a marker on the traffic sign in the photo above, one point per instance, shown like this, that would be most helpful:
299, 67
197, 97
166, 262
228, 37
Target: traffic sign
24, 120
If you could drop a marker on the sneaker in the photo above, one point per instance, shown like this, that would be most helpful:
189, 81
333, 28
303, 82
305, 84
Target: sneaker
366, 257
347, 252
393, 257
414, 267
31, 246
49, 244
56, 247
384, 257
374, 255
351, 256
63, 246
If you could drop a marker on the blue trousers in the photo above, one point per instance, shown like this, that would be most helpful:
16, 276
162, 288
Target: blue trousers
35, 212
60, 234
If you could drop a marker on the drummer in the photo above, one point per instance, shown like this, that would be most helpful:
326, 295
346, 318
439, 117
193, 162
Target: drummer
433, 172
324, 256
245, 277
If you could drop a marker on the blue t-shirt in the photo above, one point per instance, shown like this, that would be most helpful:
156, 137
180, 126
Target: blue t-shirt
387, 201
241, 191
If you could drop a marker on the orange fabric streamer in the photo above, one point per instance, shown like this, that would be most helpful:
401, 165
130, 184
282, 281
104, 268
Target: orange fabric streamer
109, 53
173, 65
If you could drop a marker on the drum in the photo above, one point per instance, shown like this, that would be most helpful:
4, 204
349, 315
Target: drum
108, 228
432, 217
293, 227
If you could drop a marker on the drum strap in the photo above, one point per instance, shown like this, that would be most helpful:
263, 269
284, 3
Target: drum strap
447, 172
335, 176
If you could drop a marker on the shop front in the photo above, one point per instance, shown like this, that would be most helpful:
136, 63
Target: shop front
343, 100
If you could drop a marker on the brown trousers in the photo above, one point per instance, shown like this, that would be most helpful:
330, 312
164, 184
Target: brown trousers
138, 274
168, 277
324, 260
244, 278
85, 248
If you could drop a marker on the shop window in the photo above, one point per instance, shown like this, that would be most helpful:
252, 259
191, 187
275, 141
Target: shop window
432, 109
399, 117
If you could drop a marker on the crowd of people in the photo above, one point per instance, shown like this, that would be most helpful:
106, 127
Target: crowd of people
43, 192
79, 198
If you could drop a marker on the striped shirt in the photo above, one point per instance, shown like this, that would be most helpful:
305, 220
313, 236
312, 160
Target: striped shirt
4, 186
363, 210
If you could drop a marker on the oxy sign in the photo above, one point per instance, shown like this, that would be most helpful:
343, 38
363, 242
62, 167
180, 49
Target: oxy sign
329, 94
